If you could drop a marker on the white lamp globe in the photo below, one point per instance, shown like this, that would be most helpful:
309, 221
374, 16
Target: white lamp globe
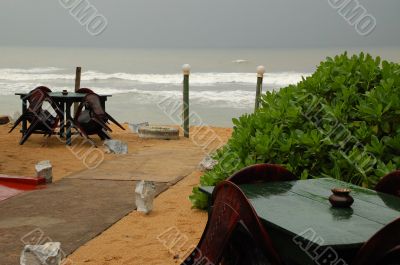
260, 70
186, 69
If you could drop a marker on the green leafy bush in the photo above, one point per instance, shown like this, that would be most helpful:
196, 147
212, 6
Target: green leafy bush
342, 122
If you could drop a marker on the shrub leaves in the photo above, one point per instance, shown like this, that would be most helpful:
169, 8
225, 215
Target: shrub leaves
342, 122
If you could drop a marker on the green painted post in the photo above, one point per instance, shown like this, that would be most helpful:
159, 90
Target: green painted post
260, 75
186, 73
77, 84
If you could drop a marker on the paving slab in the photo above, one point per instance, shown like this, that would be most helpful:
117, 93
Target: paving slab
71, 211
160, 164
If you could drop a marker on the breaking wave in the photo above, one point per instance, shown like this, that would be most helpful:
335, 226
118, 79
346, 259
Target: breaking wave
212, 78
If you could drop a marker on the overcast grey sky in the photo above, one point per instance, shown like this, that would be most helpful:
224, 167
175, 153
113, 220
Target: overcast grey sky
198, 24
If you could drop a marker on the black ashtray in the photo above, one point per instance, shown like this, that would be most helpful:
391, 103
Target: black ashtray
65, 92
341, 198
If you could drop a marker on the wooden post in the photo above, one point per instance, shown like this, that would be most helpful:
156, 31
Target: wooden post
260, 75
77, 84
186, 73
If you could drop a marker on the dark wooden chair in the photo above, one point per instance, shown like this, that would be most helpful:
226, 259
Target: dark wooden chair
260, 173
383, 248
40, 120
84, 90
234, 233
44, 89
390, 184
91, 118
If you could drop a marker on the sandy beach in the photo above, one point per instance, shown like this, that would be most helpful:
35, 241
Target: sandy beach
135, 239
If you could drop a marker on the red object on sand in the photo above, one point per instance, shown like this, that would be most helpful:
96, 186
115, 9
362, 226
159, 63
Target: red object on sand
13, 185
23, 180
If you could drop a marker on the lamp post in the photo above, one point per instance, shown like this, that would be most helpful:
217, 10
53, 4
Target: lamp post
186, 73
260, 75
77, 84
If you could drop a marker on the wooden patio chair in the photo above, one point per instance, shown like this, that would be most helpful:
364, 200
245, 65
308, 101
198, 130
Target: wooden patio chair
390, 184
383, 248
234, 233
84, 90
91, 118
40, 120
260, 173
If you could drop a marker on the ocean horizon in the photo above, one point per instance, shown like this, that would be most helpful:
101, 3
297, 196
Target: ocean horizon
222, 81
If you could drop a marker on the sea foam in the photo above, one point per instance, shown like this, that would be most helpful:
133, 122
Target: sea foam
233, 89
211, 78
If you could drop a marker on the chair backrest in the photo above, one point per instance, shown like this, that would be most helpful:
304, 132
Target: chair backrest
84, 90
231, 210
44, 89
36, 98
260, 173
390, 184
383, 248
93, 102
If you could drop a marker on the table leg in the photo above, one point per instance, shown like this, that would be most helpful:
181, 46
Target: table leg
69, 119
61, 105
24, 108
103, 103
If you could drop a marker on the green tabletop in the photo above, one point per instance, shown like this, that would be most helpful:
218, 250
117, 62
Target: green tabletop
300, 209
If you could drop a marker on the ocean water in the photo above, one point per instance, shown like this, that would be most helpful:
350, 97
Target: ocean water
222, 82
